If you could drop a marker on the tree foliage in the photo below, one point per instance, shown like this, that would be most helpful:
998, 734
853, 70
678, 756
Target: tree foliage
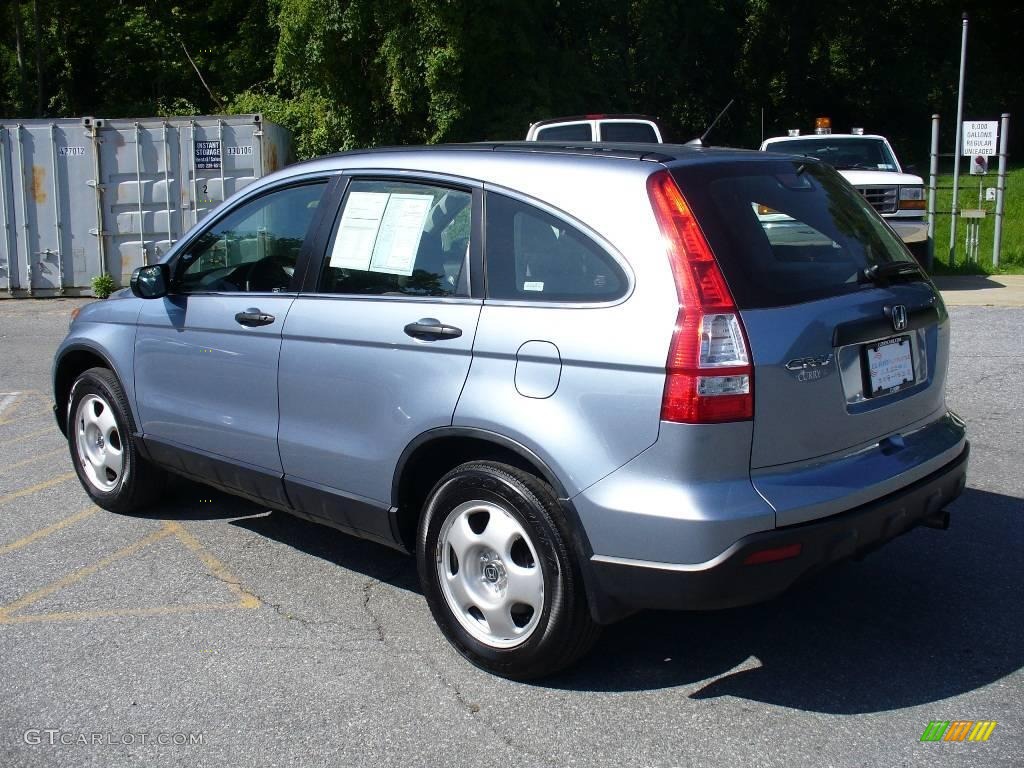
350, 73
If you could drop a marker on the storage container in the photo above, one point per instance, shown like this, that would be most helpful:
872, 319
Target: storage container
80, 197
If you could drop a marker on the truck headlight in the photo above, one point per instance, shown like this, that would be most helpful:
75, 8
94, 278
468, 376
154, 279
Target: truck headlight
912, 198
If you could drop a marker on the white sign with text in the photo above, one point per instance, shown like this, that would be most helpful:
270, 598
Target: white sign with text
980, 138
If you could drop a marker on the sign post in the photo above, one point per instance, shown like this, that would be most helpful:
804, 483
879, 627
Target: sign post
933, 173
956, 155
997, 240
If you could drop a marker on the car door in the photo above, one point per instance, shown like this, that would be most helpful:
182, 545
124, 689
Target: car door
377, 350
206, 355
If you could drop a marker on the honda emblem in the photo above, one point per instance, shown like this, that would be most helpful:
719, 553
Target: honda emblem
899, 317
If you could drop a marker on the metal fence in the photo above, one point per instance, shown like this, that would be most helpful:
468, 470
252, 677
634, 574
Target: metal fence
987, 205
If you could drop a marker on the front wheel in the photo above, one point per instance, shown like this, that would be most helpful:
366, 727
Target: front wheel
100, 437
498, 572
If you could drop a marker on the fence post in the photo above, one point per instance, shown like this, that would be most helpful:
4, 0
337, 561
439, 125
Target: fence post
1004, 132
933, 172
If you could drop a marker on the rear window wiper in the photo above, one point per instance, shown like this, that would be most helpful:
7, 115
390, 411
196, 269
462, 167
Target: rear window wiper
882, 273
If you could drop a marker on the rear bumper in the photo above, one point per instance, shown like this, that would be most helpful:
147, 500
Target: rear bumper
626, 586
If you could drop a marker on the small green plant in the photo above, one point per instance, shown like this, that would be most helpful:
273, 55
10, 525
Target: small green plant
103, 285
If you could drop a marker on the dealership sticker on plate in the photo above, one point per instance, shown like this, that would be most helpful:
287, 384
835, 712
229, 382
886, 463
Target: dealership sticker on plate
890, 365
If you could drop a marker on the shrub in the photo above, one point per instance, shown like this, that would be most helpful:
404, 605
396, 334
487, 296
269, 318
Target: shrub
103, 285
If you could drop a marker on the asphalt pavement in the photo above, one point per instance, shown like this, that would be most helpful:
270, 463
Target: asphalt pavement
213, 632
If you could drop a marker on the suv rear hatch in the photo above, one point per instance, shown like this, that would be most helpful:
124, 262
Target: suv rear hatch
849, 340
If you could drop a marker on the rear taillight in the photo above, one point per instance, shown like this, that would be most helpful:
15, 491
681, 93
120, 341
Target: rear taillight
709, 376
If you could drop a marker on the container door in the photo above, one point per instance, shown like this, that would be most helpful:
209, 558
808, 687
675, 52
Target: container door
36, 206
76, 204
8, 250
140, 200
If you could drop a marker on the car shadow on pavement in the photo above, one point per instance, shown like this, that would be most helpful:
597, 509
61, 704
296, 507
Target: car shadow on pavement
932, 615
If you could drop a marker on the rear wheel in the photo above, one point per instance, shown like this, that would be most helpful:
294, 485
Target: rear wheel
499, 574
103, 450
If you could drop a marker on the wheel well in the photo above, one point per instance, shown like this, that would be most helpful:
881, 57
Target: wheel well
429, 462
71, 366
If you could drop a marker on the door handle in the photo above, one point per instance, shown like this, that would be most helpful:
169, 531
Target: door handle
431, 329
253, 317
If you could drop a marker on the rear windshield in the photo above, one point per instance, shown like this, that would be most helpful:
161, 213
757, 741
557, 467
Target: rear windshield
841, 154
567, 132
786, 232
637, 132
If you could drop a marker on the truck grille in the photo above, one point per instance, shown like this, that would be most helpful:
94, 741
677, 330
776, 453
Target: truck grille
882, 199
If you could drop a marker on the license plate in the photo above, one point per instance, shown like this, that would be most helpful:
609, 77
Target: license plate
890, 365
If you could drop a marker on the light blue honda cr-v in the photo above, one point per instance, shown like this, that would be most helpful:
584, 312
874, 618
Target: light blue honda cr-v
575, 381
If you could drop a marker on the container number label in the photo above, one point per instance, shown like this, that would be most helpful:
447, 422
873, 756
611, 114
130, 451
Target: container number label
71, 151
207, 155
239, 150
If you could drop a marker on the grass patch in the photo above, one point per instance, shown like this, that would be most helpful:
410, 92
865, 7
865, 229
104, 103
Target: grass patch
1011, 259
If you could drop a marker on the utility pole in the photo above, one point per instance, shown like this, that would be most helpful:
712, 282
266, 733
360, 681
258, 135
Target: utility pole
956, 149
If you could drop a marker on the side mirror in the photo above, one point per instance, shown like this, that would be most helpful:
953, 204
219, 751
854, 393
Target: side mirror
912, 168
151, 282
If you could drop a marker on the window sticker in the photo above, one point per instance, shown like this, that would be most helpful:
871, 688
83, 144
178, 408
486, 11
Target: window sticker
380, 232
533, 285
398, 238
353, 247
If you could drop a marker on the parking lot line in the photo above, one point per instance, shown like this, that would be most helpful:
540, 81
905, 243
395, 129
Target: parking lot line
42, 533
7, 470
37, 487
170, 529
7, 399
13, 401
81, 573
215, 566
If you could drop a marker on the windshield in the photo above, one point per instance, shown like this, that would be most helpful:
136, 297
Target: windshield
786, 232
856, 154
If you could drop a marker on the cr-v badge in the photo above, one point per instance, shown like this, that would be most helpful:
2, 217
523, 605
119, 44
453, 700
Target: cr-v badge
810, 368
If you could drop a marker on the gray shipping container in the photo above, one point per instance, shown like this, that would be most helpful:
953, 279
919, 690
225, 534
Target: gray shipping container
84, 196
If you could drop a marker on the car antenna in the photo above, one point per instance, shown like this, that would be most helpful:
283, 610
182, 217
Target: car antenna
699, 142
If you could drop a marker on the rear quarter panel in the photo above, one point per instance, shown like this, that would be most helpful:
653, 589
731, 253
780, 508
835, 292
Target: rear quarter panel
607, 404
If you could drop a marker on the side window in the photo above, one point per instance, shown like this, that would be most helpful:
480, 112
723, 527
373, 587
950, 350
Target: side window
253, 248
533, 256
400, 238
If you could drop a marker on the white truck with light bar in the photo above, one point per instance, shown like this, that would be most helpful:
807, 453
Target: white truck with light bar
869, 164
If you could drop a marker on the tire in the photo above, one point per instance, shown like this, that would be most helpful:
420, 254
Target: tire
103, 449
498, 572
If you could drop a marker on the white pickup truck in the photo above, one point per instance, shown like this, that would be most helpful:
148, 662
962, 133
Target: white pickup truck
630, 128
870, 165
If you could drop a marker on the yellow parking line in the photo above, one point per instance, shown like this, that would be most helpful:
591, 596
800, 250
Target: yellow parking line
81, 573
19, 402
6, 470
215, 566
44, 532
37, 487
168, 529
9, 400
